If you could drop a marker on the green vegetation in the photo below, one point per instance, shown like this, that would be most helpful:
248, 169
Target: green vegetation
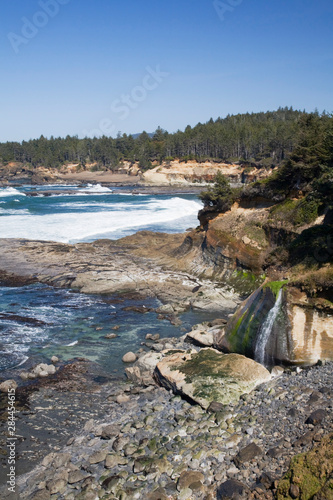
296, 212
219, 196
263, 139
310, 473
276, 286
206, 363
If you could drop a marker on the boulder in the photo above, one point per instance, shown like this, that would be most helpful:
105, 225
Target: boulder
300, 334
142, 371
7, 385
43, 370
129, 357
232, 490
187, 478
111, 336
123, 398
277, 371
202, 338
153, 337
316, 417
247, 454
209, 375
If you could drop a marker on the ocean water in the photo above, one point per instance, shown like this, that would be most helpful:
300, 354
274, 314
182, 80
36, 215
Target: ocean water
37, 321
90, 213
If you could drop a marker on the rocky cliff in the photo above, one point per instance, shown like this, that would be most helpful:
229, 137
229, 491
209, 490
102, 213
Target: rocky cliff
300, 334
192, 172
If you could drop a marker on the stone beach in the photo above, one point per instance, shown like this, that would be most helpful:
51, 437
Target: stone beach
141, 441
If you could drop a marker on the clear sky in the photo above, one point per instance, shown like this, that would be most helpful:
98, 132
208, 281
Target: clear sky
88, 67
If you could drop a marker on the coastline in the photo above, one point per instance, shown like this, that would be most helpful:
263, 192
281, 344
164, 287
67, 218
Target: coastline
143, 441
152, 264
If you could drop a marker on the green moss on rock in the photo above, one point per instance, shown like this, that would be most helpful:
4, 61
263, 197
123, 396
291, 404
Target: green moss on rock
276, 286
311, 473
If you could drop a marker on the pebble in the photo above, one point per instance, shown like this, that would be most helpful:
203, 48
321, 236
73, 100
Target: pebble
159, 446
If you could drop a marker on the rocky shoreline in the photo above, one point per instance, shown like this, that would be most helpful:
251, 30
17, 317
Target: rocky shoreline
142, 441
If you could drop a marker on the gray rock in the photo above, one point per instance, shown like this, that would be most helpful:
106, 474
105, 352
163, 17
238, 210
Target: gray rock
98, 456
129, 357
76, 477
232, 490
247, 454
56, 486
187, 478
8, 385
316, 417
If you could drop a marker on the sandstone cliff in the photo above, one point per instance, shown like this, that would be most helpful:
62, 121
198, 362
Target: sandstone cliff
192, 172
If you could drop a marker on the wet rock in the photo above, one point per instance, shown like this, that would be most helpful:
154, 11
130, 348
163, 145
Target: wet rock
54, 359
137, 309
218, 322
111, 336
153, 337
44, 370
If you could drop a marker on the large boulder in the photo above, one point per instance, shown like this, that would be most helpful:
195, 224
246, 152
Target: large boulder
300, 334
243, 328
209, 375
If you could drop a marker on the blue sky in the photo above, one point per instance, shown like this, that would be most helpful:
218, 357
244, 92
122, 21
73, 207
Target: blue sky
88, 67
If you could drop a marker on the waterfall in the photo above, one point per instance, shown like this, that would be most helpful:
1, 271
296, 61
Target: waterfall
265, 331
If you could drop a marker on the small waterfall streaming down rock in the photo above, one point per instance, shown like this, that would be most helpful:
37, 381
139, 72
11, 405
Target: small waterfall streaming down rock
265, 331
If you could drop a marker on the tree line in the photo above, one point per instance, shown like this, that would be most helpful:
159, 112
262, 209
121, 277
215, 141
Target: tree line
266, 138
